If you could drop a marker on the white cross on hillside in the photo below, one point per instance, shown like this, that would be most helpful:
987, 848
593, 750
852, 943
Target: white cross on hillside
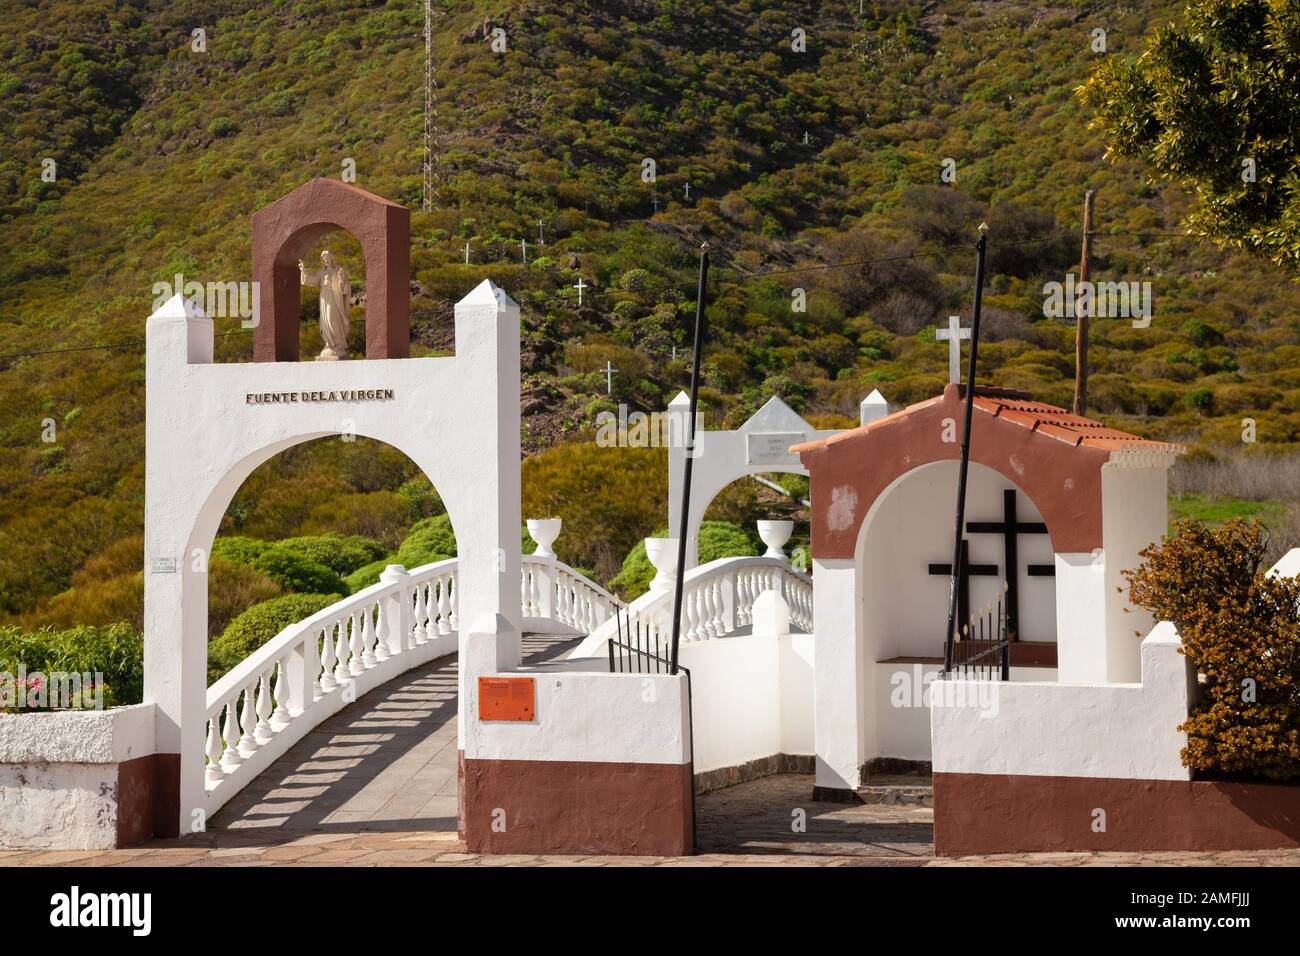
580, 285
953, 334
609, 371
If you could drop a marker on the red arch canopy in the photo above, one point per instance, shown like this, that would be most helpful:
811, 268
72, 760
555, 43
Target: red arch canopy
285, 230
1053, 456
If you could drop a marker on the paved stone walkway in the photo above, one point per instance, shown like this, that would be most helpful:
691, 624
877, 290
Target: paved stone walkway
375, 785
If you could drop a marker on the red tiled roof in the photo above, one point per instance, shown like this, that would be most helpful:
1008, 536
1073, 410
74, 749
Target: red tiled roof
1065, 426
1017, 407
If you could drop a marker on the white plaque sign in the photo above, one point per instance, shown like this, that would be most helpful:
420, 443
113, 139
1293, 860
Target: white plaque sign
163, 566
771, 448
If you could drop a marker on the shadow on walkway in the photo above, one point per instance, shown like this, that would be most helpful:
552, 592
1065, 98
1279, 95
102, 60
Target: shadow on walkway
385, 763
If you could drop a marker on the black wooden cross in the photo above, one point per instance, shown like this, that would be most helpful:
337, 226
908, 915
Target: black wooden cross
963, 581
1009, 527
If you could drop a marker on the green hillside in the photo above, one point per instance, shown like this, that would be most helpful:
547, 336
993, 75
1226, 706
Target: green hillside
794, 160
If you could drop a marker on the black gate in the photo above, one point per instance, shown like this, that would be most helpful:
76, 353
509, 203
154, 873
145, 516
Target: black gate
982, 648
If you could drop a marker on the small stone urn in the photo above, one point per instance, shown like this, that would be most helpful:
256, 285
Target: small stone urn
544, 531
662, 553
775, 534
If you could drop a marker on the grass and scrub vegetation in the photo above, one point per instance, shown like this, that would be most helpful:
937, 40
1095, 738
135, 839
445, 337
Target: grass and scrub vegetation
794, 160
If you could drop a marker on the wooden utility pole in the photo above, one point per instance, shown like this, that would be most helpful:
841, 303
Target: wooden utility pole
1080, 319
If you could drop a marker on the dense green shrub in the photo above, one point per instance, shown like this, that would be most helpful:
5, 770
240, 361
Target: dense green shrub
1240, 629
295, 573
423, 498
429, 540
259, 624
239, 549
115, 651
342, 554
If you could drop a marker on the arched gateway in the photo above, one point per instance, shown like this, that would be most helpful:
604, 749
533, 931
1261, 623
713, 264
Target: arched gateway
209, 425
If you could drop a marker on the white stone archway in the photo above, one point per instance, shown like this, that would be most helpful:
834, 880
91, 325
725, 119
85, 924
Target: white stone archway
759, 446
209, 425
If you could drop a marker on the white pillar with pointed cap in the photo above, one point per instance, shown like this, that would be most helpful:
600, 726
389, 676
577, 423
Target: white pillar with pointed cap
873, 407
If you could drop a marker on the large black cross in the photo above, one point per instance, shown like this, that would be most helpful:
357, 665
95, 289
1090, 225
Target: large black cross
963, 580
1010, 528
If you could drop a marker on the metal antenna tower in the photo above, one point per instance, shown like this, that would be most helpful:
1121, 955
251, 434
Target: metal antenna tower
430, 112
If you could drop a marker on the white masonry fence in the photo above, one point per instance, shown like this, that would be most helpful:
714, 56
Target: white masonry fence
316, 667
717, 600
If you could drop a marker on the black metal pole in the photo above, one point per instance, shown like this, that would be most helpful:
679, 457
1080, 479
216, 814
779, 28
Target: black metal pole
684, 523
980, 245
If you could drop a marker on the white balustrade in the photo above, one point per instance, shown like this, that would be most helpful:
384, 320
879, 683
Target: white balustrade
289, 684
717, 600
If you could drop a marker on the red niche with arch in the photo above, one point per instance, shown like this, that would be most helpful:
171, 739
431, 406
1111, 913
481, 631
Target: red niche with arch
285, 231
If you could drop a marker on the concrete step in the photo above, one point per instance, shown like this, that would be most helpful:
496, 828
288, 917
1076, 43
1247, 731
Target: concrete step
910, 789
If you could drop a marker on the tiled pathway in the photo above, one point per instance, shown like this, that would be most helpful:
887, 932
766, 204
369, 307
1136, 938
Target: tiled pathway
387, 762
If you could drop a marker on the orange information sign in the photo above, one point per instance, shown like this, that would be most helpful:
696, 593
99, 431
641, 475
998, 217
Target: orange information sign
505, 698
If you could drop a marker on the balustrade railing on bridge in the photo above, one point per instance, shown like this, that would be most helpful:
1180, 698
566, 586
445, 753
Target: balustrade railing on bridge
717, 600
317, 666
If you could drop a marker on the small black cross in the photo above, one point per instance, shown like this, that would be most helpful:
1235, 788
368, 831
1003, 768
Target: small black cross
1009, 527
963, 580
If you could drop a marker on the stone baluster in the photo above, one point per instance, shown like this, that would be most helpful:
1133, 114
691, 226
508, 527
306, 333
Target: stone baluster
213, 750
327, 661
381, 631
247, 718
419, 631
565, 611
728, 593
444, 604
230, 733
452, 587
341, 671
356, 665
709, 609
264, 732
690, 602
723, 594
368, 657
282, 714
310, 661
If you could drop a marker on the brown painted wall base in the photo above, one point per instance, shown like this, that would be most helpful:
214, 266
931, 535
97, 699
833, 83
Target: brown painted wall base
562, 806
148, 798
994, 813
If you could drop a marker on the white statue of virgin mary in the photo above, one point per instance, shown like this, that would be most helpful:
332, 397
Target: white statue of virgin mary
335, 290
